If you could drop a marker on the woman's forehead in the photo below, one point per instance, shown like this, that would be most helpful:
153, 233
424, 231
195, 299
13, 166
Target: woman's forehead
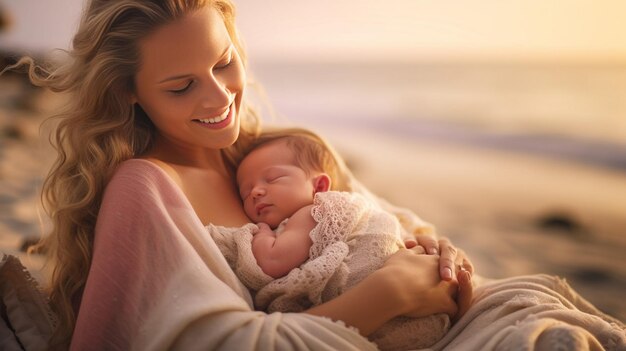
199, 37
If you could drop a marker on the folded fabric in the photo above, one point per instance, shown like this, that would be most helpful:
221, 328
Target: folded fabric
535, 312
27, 320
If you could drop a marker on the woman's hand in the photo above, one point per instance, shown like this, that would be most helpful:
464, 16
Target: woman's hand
429, 243
453, 262
415, 278
465, 294
407, 284
452, 259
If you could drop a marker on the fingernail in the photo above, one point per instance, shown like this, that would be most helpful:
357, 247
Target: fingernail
447, 273
432, 251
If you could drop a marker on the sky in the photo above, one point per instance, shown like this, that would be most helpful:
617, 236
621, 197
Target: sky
382, 30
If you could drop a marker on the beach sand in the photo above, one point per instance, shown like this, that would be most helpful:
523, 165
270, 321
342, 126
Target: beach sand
512, 213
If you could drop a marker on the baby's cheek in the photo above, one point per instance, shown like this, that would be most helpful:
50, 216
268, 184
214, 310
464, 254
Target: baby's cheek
247, 210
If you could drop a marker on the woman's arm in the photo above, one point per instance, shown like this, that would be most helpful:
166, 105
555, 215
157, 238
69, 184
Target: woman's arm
408, 284
279, 254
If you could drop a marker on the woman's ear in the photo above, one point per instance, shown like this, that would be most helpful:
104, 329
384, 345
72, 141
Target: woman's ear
321, 183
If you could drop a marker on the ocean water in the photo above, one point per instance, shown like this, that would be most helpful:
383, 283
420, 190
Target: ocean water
575, 111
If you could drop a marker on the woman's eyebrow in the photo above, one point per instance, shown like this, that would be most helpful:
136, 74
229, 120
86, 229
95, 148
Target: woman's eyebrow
175, 78
181, 76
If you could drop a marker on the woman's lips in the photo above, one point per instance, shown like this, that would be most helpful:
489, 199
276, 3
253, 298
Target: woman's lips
220, 121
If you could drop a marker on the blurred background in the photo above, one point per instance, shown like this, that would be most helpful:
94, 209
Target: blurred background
503, 123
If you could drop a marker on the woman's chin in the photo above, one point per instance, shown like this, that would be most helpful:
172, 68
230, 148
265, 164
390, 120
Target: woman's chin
229, 137
235, 130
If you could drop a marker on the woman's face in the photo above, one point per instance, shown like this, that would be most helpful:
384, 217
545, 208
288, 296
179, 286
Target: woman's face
191, 82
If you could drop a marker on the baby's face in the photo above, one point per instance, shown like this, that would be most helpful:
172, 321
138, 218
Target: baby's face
271, 186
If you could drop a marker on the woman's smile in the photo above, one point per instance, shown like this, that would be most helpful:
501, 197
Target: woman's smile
220, 121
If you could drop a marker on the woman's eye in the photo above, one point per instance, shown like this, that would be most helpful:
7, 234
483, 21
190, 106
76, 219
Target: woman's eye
225, 64
182, 90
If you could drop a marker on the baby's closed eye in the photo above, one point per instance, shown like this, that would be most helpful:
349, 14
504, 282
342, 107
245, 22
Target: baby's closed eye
276, 178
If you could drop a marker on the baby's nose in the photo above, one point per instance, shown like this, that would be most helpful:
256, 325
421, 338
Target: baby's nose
258, 191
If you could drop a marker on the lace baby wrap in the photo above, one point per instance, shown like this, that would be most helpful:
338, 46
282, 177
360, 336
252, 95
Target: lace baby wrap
352, 238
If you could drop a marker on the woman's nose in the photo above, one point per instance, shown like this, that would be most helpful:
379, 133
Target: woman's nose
216, 94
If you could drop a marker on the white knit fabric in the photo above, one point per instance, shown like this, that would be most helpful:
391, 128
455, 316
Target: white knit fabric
352, 238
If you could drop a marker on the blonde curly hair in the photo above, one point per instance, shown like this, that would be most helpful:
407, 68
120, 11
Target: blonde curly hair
100, 128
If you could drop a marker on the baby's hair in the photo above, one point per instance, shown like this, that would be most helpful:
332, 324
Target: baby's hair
312, 153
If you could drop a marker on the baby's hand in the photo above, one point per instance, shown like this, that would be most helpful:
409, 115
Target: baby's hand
264, 229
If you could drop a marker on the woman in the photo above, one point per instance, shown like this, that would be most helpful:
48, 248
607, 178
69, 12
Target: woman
146, 150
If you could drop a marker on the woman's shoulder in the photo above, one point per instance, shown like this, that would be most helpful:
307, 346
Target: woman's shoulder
137, 177
145, 169
161, 165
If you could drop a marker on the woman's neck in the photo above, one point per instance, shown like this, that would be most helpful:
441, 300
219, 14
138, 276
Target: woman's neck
181, 155
203, 177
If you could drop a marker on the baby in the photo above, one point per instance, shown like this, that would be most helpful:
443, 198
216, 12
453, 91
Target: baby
309, 243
